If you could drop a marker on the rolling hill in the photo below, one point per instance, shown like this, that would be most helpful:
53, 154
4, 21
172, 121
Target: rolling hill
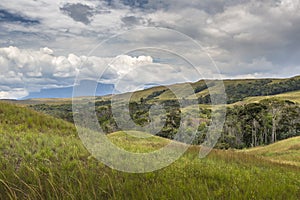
251, 106
285, 151
236, 90
291, 96
42, 157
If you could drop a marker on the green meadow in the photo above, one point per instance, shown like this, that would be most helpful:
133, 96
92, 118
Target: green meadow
42, 157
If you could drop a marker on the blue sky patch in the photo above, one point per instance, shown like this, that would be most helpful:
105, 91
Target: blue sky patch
6, 16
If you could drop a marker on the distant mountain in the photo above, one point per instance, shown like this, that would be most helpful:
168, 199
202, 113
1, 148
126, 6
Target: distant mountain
85, 88
236, 89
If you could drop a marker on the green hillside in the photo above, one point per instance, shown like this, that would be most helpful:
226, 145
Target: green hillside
291, 96
137, 144
21, 119
42, 158
259, 111
285, 151
247, 124
236, 89
250, 119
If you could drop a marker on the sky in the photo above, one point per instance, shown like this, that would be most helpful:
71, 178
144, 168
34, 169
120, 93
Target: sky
46, 44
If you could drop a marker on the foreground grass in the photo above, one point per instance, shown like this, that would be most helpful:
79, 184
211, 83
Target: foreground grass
54, 167
39, 161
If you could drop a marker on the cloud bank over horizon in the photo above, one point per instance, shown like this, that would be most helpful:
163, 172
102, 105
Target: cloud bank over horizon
23, 71
43, 44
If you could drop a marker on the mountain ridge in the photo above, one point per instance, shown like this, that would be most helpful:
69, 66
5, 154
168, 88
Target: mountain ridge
108, 89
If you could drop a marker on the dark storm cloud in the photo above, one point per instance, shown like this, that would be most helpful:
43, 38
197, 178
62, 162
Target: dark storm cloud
260, 30
145, 5
131, 20
131, 3
135, 3
79, 12
82, 13
7, 16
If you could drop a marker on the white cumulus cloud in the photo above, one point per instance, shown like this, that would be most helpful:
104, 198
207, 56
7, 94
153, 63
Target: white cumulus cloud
24, 70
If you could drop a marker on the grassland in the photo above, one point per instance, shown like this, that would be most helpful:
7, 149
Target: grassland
42, 158
286, 151
291, 96
236, 89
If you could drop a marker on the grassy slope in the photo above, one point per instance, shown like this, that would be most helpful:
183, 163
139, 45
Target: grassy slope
285, 151
42, 158
142, 143
178, 88
292, 96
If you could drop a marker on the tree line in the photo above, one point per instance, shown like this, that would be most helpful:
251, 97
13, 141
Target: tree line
247, 125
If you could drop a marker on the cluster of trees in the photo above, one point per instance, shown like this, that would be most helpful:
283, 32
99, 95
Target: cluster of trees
261, 87
62, 111
237, 91
139, 113
260, 123
246, 125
